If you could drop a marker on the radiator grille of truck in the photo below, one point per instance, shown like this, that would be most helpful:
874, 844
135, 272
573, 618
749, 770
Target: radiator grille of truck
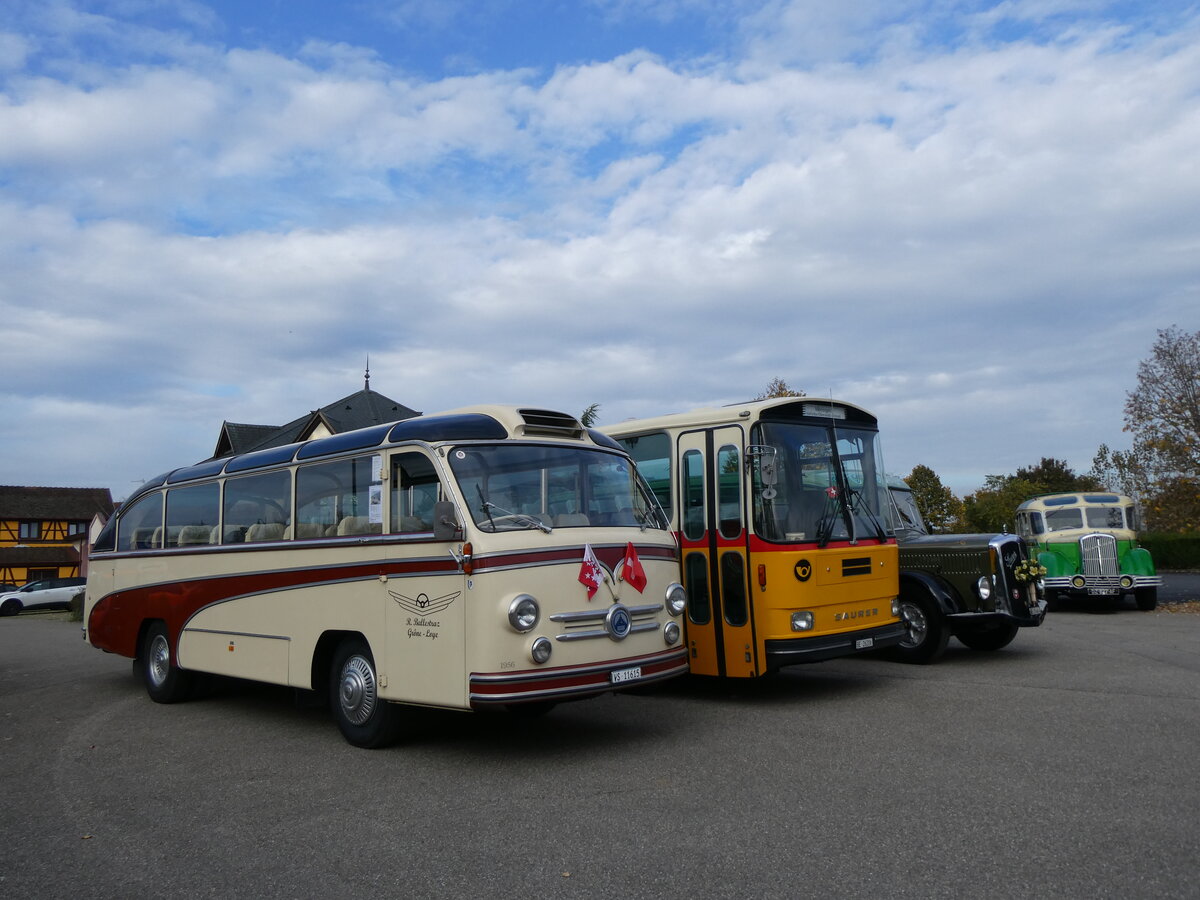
1099, 555
549, 422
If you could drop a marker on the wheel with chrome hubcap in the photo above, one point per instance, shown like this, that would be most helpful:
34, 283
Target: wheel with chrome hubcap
165, 682
925, 631
364, 718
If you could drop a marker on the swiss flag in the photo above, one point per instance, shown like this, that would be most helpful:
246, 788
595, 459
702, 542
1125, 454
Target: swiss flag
631, 569
591, 576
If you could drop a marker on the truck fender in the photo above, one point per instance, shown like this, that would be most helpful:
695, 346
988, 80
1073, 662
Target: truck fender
933, 586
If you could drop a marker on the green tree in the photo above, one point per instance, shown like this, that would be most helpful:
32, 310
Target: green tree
938, 505
1119, 470
1054, 476
1163, 411
777, 387
590, 416
993, 507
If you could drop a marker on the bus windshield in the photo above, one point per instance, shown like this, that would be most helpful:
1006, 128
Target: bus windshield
827, 483
515, 486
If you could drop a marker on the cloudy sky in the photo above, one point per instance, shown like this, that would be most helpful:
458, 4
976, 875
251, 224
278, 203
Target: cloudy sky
969, 217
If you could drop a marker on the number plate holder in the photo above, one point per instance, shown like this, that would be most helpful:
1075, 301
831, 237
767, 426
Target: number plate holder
864, 643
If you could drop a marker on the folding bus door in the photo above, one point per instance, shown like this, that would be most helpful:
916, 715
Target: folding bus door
720, 622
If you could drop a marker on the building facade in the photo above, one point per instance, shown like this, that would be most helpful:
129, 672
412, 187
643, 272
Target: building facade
41, 530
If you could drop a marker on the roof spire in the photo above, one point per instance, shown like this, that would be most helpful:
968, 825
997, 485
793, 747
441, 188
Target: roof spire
367, 380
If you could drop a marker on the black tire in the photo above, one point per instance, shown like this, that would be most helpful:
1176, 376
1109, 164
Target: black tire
11, 607
925, 631
364, 719
1147, 598
990, 637
165, 682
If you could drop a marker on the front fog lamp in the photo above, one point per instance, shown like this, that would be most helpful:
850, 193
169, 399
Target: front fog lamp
1078, 581
676, 599
895, 607
539, 650
983, 587
802, 621
1126, 582
671, 633
523, 613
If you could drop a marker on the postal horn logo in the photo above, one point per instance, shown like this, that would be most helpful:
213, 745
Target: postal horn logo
422, 605
803, 570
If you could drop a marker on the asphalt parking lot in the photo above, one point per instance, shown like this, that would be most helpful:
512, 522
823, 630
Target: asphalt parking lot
1060, 766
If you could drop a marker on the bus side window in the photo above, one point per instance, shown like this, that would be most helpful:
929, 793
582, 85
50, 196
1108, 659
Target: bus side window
257, 507
693, 495
140, 523
698, 604
415, 490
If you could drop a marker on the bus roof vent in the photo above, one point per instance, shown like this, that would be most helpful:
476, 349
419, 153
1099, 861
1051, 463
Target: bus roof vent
549, 422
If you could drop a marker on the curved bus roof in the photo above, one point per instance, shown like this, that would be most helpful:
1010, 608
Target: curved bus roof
784, 408
469, 423
1076, 498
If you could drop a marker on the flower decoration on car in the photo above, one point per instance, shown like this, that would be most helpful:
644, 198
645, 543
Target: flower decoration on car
1029, 570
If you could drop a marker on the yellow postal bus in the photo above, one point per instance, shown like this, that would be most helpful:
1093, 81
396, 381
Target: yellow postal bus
780, 510
491, 556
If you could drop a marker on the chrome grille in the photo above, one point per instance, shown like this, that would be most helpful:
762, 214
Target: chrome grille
1098, 553
585, 624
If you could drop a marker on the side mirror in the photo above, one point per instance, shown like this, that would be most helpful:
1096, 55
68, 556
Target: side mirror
445, 523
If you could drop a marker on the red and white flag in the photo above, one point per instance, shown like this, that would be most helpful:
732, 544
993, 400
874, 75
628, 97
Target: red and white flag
631, 569
591, 575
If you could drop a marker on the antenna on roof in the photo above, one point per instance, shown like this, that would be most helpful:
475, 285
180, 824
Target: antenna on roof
367, 380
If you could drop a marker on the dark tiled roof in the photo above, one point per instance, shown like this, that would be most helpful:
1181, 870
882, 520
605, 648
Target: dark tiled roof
38, 556
358, 410
54, 503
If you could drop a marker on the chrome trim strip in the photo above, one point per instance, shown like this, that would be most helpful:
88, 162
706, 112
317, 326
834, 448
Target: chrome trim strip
269, 637
585, 635
573, 671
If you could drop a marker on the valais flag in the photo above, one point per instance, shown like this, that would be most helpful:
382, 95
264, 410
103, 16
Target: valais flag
591, 575
631, 569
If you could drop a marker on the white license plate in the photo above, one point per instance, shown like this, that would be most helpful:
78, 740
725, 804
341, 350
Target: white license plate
864, 643
622, 675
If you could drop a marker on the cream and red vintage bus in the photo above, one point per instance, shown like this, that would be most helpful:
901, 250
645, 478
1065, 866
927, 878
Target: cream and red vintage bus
779, 506
484, 557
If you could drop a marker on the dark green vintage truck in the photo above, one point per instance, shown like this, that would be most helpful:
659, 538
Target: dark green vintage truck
979, 588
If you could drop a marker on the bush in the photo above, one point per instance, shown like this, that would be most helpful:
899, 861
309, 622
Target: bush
75, 610
1172, 551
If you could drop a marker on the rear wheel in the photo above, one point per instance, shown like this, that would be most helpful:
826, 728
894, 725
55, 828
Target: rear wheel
925, 631
990, 637
1147, 598
365, 719
165, 682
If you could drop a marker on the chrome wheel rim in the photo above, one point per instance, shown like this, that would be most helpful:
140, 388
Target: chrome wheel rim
916, 626
160, 660
356, 694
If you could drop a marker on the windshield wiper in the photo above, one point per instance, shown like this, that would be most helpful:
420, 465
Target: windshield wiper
520, 518
880, 534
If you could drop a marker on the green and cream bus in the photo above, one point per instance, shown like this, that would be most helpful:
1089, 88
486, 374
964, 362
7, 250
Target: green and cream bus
484, 557
1087, 543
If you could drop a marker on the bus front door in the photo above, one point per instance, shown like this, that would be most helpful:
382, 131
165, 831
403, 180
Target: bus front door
720, 620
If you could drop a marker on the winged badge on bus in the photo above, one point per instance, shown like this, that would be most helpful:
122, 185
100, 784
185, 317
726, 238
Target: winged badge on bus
422, 605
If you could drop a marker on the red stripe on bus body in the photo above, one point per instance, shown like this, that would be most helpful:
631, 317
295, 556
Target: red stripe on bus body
116, 619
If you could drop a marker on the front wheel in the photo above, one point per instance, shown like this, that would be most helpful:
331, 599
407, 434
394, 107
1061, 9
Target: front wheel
925, 631
11, 607
1147, 598
364, 718
165, 682
992, 637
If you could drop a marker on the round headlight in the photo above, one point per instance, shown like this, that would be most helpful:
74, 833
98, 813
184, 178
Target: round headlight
895, 607
540, 649
802, 621
671, 633
523, 613
676, 599
1078, 581
983, 587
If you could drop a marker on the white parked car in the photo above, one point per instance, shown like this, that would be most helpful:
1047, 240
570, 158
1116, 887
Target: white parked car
49, 593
